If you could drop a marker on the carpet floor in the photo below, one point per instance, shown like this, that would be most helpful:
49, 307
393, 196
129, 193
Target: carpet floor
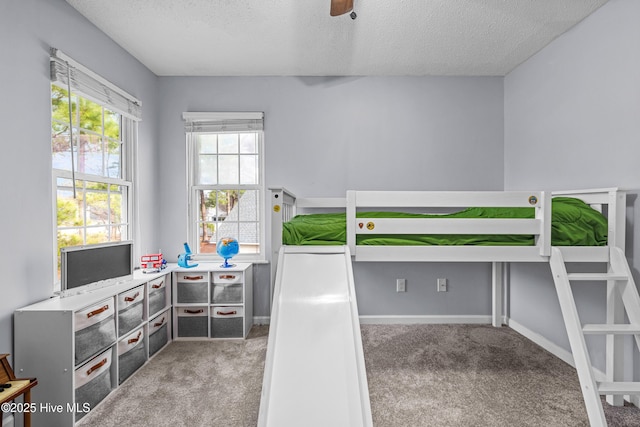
418, 375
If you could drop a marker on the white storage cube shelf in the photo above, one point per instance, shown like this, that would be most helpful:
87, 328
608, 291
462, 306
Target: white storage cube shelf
212, 302
82, 347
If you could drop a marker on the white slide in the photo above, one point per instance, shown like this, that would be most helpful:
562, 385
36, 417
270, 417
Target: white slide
314, 371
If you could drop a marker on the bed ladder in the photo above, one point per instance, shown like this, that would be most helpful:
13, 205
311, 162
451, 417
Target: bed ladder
621, 292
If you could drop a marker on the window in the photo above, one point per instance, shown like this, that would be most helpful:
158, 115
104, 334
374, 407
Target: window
92, 140
225, 182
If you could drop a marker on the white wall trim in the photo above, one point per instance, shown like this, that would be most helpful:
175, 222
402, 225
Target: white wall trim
261, 320
406, 320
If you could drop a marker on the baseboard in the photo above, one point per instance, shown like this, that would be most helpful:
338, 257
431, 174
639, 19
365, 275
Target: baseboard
400, 320
404, 319
261, 320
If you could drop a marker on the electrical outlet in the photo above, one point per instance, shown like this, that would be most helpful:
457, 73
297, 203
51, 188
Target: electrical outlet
401, 285
442, 285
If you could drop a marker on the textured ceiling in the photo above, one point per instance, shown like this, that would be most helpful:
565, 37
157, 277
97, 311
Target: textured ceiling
299, 38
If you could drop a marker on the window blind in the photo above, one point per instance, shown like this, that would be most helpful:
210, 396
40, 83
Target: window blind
66, 71
223, 122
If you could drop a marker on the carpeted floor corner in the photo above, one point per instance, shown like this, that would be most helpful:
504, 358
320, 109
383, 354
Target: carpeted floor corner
418, 375
466, 375
191, 383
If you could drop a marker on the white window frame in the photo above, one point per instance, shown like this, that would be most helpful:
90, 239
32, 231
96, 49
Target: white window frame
79, 80
222, 122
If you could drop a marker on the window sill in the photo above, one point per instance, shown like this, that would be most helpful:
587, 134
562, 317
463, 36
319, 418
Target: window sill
216, 259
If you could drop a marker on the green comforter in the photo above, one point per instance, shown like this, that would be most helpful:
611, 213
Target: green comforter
574, 223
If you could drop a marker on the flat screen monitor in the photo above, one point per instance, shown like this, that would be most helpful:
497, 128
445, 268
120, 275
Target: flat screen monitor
90, 264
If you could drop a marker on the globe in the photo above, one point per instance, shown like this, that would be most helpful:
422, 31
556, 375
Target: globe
227, 248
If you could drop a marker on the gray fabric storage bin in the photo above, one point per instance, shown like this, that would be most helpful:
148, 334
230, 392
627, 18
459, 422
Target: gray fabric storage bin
158, 340
95, 329
157, 300
227, 322
192, 322
192, 292
130, 310
130, 318
93, 383
226, 293
131, 355
158, 332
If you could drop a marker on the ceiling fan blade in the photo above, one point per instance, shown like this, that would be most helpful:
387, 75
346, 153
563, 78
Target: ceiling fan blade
340, 7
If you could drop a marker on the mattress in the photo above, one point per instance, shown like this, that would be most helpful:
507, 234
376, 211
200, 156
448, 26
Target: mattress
573, 223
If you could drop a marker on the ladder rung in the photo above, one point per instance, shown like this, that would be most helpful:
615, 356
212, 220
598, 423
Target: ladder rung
619, 387
596, 276
611, 329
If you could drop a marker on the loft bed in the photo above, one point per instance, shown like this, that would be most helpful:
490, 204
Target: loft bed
498, 214
496, 226
487, 226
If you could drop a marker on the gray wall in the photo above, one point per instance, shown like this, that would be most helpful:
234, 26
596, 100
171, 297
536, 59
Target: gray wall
324, 136
27, 29
572, 120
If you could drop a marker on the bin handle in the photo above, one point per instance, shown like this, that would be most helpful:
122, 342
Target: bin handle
228, 276
98, 311
136, 339
133, 298
97, 366
193, 277
193, 311
157, 285
159, 323
226, 313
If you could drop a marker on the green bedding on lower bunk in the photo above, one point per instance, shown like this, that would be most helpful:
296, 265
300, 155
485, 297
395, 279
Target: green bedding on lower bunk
574, 223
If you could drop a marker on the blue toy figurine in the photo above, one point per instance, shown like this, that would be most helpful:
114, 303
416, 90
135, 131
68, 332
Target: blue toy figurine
227, 247
183, 259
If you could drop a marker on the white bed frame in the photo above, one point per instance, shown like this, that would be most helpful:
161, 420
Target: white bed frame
285, 205
622, 295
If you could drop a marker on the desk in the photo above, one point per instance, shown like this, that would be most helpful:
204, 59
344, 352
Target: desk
19, 387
